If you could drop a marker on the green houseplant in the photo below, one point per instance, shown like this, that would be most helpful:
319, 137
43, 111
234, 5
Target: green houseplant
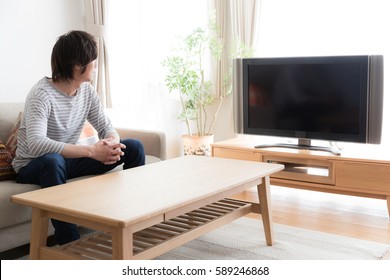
186, 73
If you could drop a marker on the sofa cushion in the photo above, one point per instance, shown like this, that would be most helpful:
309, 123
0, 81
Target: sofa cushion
88, 136
12, 213
13, 135
6, 170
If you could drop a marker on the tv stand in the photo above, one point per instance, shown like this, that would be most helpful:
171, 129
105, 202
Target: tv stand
304, 144
363, 172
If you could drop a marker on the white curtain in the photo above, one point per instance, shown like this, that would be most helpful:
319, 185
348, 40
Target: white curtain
237, 20
220, 68
95, 14
244, 18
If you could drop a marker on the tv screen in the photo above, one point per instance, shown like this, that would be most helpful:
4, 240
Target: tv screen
326, 98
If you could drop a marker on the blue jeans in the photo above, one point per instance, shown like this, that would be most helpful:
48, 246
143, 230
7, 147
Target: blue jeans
53, 169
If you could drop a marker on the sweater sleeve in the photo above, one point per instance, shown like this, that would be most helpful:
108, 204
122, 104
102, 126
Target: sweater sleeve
38, 143
98, 118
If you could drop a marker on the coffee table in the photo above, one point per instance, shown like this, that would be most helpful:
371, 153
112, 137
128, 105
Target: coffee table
141, 213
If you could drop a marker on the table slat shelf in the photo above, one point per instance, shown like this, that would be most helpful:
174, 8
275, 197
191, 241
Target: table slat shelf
99, 245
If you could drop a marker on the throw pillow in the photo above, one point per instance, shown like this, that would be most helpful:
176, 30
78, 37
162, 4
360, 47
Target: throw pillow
11, 142
6, 170
88, 136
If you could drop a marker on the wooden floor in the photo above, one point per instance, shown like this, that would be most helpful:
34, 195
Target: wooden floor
357, 217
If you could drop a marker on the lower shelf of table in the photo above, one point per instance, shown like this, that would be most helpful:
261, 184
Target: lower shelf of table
157, 239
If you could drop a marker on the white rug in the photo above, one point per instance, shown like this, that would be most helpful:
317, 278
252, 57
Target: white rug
244, 239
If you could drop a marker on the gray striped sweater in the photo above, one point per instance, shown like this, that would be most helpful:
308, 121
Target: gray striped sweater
51, 119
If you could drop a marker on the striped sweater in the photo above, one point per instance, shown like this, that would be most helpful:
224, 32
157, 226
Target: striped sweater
51, 119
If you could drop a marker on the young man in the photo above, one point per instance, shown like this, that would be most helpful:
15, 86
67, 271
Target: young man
55, 112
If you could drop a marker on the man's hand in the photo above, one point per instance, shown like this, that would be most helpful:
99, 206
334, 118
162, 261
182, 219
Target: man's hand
108, 151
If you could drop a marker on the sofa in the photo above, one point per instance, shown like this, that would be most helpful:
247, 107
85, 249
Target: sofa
15, 220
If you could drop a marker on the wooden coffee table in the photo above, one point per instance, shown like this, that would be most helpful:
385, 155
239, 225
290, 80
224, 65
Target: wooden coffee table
143, 212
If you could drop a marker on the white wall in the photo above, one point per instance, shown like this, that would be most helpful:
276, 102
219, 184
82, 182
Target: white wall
28, 31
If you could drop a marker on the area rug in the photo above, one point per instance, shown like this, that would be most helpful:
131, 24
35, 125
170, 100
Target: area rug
243, 239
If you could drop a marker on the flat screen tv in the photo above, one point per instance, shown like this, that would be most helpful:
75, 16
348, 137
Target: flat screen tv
336, 98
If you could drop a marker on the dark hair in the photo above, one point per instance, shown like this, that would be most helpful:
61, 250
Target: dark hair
71, 49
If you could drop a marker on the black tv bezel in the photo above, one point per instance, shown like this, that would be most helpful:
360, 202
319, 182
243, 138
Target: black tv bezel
362, 137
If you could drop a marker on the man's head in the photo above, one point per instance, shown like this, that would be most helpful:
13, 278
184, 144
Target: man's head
73, 49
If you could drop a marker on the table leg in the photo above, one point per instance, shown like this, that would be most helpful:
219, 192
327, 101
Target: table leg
263, 191
39, 231
122, 244
388, 205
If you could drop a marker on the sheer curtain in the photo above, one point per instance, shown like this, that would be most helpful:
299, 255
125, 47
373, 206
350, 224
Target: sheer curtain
332, 27
96, 18
244, 17
237, 20
220, 68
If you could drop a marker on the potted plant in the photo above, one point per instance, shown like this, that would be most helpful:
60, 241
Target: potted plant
186, 74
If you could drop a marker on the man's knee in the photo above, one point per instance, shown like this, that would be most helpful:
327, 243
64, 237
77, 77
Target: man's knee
53, 170
52, 161
134, 145
134, 153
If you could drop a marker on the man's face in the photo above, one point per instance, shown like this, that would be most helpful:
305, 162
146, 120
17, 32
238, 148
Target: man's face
89, 74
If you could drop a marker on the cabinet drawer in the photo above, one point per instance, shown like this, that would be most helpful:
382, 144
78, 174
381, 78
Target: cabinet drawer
363, 176
236, 154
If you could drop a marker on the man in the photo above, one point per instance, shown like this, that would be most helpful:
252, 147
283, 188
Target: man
55, 112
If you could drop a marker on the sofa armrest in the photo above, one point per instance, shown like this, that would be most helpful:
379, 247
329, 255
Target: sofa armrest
154, 141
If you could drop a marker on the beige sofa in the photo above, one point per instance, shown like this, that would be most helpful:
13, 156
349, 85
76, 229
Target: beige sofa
15, 220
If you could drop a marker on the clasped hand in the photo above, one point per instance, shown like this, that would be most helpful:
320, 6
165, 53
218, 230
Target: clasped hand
108, 151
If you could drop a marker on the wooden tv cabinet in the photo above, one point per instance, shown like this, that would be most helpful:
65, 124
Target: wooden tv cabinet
365, 173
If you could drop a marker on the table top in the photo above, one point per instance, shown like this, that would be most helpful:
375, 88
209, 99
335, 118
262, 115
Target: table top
130, 196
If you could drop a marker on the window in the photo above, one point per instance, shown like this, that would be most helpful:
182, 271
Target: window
141, 33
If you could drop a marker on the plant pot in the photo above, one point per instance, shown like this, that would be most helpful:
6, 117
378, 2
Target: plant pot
197, 145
